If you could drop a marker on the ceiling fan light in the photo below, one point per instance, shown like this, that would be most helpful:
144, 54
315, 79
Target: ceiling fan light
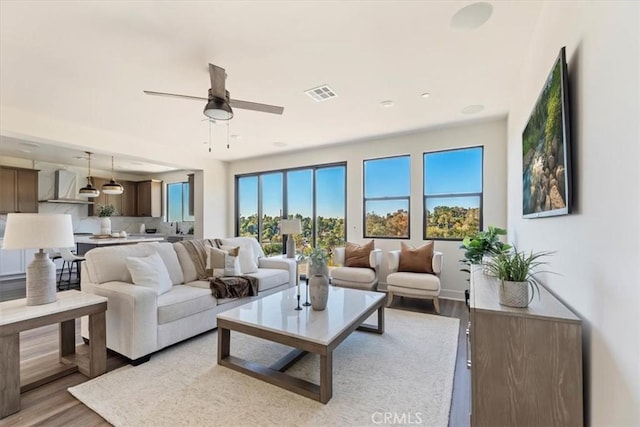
218, 109
89, 190
112, 187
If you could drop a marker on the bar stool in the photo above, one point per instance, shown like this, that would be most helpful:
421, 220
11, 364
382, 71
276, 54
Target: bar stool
69, 260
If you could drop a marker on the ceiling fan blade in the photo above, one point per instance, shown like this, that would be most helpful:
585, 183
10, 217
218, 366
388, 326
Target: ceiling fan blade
174, 95
265, 108
218, 77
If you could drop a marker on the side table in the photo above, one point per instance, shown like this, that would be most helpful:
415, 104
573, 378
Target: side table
16, 316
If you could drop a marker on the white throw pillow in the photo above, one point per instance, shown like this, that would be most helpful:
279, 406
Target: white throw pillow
247, 257
225, 259
150, 272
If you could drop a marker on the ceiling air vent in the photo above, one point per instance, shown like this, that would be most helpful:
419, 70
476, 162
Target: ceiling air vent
321, 93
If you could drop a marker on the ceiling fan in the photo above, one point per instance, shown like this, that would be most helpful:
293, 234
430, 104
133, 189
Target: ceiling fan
218, 103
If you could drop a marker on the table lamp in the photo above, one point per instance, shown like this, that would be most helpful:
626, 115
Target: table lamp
291, 227
41, 231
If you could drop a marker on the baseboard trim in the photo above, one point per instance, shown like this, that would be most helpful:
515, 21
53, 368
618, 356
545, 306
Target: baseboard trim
452, 294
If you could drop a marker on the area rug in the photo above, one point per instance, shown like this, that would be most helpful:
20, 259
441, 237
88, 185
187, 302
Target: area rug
404, 376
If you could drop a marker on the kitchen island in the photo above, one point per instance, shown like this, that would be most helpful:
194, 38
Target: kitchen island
86, 243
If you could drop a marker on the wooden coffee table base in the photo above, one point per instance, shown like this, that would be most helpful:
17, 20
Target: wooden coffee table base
274, 374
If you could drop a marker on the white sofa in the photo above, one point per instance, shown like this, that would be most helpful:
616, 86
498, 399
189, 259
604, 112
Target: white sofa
140, 321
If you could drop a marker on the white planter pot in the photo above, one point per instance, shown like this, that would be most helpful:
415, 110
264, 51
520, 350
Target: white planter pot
486, 259
105, 225
319, 291
514, 294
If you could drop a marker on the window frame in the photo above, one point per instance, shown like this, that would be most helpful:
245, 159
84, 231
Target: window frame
382, 199
425, 197
285, 200
184, 187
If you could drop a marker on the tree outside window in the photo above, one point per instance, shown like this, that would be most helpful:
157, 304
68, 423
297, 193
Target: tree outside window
386, 197
453, 193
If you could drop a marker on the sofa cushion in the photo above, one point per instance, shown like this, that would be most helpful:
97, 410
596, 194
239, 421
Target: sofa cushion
170, 258
188, 268
149, 271
248, 260
183, 301
416, 260
270, 278
226, 259
108, 264
239, 241
358, 255
421, 281
349, 274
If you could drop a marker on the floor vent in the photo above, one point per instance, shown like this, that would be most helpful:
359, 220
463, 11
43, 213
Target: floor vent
321, 93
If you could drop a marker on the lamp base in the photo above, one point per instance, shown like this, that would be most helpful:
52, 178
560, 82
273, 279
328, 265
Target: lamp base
41, 280
291, 247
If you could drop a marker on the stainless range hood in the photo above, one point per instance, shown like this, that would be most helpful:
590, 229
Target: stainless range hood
65, 190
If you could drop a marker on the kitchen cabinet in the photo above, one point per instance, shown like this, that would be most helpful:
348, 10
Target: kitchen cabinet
526, 363
150, 198
18, 190
129, 198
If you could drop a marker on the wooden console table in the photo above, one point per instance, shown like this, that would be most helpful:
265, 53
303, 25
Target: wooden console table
16, 316
526, 363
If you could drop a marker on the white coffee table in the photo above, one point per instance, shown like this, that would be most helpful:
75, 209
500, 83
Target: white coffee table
273, 318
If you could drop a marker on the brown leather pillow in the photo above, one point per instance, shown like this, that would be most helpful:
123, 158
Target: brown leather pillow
358, 256
416, 260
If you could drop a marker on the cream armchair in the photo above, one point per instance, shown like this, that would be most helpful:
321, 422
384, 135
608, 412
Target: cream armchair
356, 277
414, 285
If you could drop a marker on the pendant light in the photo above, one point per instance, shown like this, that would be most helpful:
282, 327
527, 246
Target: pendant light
112, 187
89, 190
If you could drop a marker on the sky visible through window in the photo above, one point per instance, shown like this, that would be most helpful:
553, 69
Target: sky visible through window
330, 193
383, 179
453, 172
178, 202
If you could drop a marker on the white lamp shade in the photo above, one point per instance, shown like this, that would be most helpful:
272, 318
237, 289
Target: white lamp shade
290, 226
41, 231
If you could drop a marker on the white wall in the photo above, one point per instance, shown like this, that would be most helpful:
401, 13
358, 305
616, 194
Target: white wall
492, 135
597, 246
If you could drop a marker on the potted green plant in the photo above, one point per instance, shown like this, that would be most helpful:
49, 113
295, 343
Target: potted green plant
483, 244
104, 213
318, 258
516, 271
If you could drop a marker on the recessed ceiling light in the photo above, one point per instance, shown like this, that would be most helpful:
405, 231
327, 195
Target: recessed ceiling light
472, 109
425, 95
25, 150
387, 104
280, 144
472, 16
236, 137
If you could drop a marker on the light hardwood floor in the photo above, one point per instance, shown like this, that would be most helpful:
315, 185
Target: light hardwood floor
52, 405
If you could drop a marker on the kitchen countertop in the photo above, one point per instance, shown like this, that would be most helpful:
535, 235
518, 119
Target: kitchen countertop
117, 240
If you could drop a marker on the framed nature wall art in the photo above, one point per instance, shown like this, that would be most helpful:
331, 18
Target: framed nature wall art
546, 155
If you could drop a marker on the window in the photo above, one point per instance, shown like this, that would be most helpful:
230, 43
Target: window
386, 197
316, 195
453, 193
178, 202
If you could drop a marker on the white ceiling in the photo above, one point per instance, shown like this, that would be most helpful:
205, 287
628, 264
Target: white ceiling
87, 63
